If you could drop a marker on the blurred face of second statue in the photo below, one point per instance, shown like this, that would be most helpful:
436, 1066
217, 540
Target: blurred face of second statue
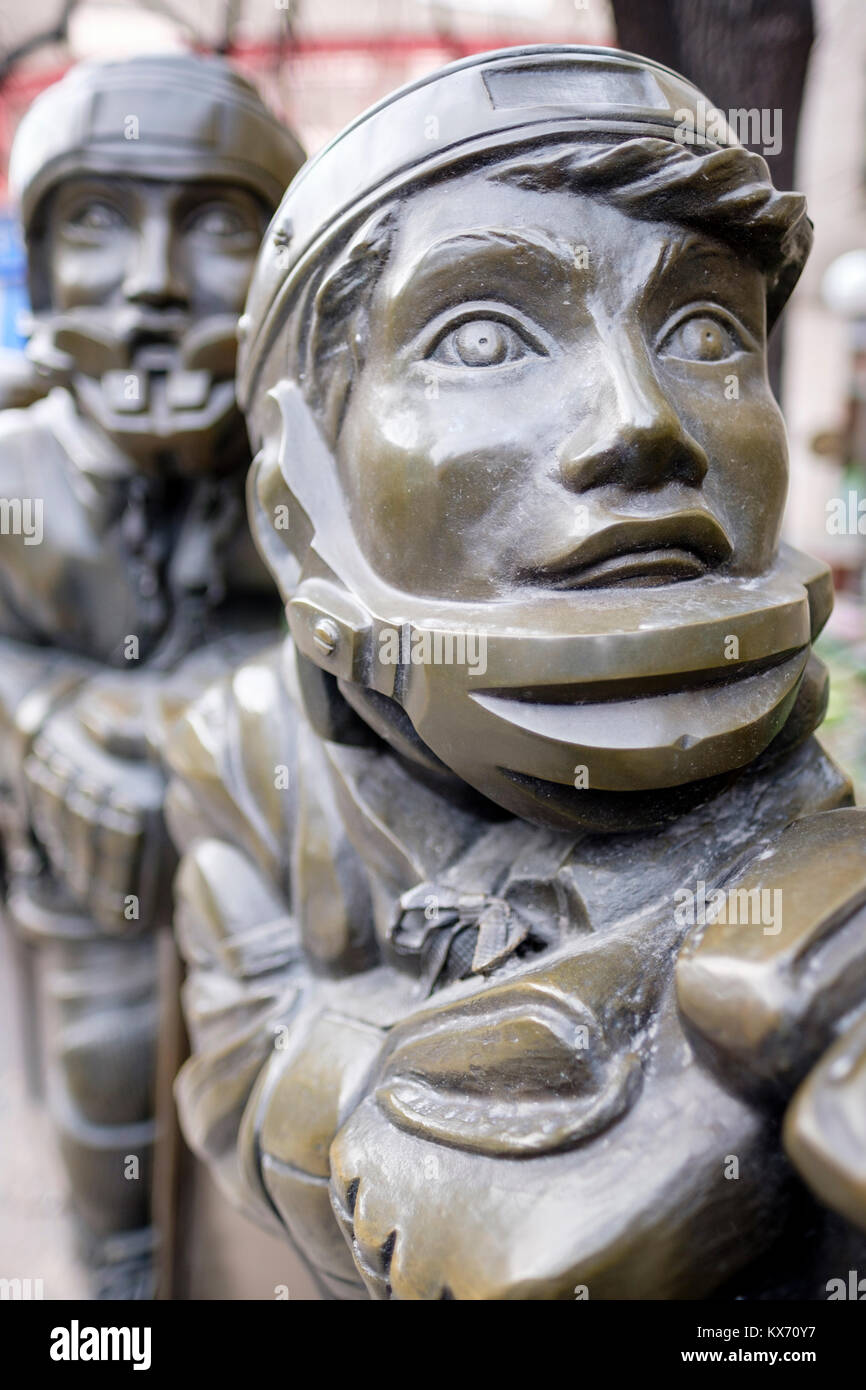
557, 395
179, 250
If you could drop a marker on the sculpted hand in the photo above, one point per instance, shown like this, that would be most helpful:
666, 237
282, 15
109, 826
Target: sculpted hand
516, 1144
778, 1001
96, 799
825, 1126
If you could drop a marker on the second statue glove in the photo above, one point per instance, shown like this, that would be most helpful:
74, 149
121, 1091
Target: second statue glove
96, 806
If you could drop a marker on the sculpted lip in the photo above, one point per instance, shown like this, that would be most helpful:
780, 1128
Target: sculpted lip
661, 566
662, 550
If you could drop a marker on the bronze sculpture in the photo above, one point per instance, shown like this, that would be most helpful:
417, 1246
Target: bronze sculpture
127, 577
517, 894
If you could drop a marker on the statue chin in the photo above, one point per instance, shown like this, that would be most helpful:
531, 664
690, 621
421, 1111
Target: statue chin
157, 384
190, 427
558, 726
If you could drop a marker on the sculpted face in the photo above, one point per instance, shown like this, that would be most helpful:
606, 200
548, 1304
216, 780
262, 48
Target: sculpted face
146, 282
162, 246
555, 394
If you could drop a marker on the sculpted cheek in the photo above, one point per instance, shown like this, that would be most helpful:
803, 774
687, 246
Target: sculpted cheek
759, 475
394, 499
424, 495
82, 279
220, 281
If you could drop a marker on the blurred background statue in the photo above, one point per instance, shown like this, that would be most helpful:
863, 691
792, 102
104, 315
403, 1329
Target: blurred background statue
127, 575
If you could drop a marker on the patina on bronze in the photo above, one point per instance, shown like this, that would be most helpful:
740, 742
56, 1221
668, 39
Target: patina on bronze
517, 893
129, 581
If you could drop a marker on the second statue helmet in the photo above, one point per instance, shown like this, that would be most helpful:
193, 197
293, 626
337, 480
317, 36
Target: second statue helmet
172, 119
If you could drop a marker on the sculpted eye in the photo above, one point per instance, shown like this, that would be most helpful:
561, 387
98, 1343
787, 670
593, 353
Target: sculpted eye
218, 220
702, 338
481, 343
95, 216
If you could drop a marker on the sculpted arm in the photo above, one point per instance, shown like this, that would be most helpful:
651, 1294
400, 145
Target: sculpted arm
235, 931
35, 677
286, 1004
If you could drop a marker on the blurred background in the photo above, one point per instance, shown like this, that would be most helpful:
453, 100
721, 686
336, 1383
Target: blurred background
798, 64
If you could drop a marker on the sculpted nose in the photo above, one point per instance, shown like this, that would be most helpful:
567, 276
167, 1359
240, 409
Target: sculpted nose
151, 277
631, 436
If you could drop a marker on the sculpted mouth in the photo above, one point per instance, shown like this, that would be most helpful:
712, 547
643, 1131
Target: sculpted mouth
638, 552
644, 568
98, 342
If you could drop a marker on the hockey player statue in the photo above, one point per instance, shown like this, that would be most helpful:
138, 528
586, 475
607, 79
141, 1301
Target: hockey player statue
126, 569
523, 910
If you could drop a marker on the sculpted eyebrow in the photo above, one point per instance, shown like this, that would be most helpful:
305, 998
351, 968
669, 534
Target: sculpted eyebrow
535, 249
694, 266
690, 249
